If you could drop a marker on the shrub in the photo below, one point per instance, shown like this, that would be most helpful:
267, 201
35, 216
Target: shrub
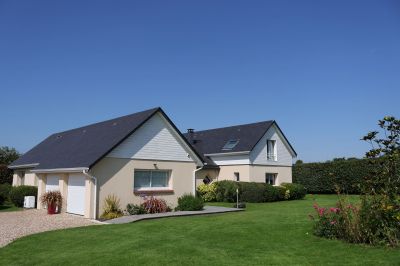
4, 192
111, 208
189, 202
226, 191
280, 193
207, 191
154, 205
52, 197
251, 191
17, 194
270, 193
325, 178
134, 209
296, 191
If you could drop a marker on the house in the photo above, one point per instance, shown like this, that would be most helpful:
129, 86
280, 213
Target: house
145, 154
257, 152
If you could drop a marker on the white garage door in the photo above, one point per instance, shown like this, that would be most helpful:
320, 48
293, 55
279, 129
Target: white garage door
52, 183
76, 194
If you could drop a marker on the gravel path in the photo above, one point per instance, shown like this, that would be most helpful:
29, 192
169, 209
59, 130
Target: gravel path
17, 224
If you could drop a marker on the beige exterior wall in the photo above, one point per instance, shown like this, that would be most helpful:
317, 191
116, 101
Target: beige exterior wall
251, 173
41, 189
24, 177
201, 174
284, 173
226, 172
116, 176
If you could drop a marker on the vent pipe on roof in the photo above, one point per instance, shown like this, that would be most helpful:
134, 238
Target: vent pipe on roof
190, 130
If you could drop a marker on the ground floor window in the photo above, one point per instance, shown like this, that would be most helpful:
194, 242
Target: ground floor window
270, 178
237, 176
207, 180
144, 179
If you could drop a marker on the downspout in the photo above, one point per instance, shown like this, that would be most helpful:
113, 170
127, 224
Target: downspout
194, 180
86, 173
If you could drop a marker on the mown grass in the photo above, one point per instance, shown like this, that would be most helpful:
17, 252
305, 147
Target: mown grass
265, 234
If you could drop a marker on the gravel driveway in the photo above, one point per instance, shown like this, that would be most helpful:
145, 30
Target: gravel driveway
17, 224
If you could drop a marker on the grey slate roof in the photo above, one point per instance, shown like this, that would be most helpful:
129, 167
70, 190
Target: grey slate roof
213, 140
84, 146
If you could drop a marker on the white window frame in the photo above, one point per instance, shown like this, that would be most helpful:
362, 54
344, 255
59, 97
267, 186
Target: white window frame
272, 156
168, 187
274, 178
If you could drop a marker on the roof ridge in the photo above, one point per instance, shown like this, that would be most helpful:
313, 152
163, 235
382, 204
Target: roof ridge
248, 124
108, 120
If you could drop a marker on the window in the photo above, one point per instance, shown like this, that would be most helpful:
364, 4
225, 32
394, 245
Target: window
237, 176
230, 144
154, 179
206, 180
270, 178
271, 150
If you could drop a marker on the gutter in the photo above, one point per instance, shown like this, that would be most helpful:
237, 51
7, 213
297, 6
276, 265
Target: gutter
86, 173
194, 180
31, 165
60, 170
228, 153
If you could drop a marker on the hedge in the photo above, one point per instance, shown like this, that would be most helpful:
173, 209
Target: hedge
4, 192
17, 194
323, 178
225, 191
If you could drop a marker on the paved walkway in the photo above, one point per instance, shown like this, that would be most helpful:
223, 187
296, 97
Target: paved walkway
135, 218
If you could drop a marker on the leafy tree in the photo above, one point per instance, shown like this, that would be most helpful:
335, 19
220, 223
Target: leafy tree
299, 162
7, 156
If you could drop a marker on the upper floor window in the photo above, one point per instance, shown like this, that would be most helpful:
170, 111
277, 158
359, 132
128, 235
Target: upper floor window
151, 179
271, 150
230, 144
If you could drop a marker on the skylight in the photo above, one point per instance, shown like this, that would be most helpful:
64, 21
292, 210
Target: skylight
230, 144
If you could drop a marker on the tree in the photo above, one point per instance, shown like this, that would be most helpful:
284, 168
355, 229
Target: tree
298, 162
7, 156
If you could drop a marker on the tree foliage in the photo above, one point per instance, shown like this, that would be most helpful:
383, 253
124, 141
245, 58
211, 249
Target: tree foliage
7, 156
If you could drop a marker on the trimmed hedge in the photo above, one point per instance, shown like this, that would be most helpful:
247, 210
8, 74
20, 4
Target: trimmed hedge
296, 191
225, 191
323, 178
17, 194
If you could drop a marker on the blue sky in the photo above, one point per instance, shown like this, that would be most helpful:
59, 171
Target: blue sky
325, 70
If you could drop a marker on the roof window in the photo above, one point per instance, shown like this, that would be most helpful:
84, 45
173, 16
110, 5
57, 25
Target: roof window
230, 144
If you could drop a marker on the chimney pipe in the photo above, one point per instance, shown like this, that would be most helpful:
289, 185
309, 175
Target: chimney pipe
190, 130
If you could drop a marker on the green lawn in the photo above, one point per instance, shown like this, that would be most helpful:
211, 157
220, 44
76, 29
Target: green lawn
8, 207
267, 233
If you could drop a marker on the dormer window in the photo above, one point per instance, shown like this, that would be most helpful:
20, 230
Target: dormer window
230, 144
271, 150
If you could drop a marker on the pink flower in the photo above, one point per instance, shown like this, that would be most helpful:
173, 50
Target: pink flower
321, 211
333, 222
334, 210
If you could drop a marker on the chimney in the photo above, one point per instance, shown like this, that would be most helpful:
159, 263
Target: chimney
190, 132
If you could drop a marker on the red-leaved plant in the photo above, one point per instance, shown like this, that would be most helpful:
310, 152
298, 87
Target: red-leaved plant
154, 205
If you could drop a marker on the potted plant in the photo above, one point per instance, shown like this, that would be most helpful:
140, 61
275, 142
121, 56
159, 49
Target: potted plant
53, 201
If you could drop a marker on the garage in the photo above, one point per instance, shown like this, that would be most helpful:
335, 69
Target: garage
52, 183
76, 194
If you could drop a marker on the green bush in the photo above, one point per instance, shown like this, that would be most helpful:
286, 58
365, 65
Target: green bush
296, 191
324, 178
4, 192
134, 209
251, 191
17, 194
281, 193
225, 191
207, 192
188, 202
270, 193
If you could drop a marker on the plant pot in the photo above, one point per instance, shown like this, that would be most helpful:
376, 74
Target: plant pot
51, 208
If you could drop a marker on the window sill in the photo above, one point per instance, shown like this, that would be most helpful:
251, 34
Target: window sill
153, 191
